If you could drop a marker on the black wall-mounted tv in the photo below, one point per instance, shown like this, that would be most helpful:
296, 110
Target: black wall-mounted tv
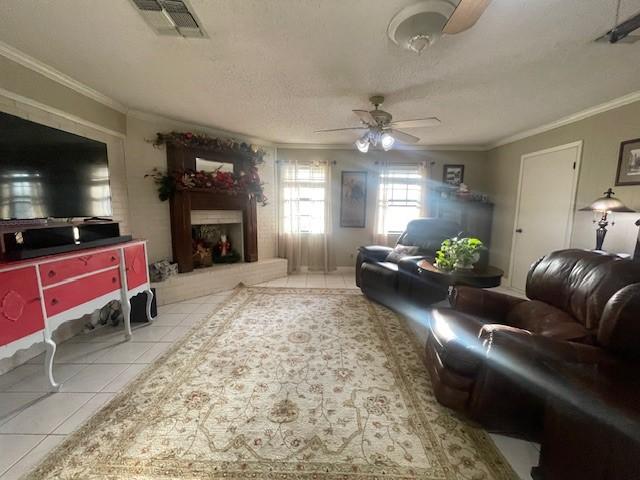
45, 172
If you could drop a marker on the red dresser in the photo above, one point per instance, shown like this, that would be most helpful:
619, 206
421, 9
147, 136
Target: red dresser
38, 295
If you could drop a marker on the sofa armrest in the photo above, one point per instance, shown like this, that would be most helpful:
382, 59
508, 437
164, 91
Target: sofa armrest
619, 329
521, 372
375, 253
483, 303
508, 344
410, 264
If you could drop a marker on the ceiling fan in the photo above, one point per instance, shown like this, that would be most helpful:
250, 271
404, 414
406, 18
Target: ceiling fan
379, 128
419, 25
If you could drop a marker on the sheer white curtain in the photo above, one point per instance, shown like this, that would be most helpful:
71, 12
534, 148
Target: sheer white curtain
305, 230
402, 196
380, 234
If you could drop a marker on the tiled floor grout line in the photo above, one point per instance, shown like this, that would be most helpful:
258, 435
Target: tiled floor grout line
23, 456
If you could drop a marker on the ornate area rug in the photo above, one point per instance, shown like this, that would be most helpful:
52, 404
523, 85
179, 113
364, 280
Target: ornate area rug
282, 384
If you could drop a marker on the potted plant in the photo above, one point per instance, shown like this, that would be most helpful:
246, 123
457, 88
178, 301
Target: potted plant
458, 254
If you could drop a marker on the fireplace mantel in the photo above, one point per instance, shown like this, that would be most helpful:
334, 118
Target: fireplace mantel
184, 201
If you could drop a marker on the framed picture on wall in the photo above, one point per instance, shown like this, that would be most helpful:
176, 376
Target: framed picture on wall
353, 199
629, 163
453, 175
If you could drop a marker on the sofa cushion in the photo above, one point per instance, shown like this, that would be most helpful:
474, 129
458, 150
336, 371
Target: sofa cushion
401, 251
455, 338
549, 321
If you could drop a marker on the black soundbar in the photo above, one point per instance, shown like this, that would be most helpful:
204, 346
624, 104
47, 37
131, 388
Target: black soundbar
25, 254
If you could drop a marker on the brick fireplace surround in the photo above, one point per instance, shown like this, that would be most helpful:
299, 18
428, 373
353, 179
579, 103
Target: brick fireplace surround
194, 207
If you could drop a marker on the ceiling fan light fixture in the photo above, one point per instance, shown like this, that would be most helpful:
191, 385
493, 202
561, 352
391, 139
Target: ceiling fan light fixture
387, 141
419, 42
362, 144
418, 26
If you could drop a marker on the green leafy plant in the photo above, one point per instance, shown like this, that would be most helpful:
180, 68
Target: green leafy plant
459, 253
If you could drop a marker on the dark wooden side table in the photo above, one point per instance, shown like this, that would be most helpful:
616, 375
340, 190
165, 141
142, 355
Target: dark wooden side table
488, 277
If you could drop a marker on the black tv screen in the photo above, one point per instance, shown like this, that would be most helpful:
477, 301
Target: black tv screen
45, 172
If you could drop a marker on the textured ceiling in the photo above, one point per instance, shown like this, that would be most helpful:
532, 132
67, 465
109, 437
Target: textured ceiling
280, 69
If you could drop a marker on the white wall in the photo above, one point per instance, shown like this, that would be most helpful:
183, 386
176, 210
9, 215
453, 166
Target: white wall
149, 216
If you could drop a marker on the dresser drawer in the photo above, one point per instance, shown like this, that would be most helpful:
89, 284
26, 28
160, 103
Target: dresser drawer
20, 308
55, 272
135, 261
64, 297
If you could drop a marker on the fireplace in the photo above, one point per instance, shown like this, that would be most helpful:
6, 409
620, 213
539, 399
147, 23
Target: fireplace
212, 231
203, 207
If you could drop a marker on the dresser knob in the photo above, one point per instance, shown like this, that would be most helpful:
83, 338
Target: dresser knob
51, 274
54, 301
114, 280
113, 258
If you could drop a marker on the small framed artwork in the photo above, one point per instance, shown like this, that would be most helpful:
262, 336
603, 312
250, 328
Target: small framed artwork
629, 163
353, 200
453, 175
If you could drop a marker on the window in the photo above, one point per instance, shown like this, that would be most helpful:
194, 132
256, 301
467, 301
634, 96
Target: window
400, 197
303, 198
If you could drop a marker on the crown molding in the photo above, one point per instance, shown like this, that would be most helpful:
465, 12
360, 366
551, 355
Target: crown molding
350, 146
154, 117
59, 113
576, 117
51, 73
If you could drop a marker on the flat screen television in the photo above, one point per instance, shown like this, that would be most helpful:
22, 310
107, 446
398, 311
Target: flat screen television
45, 172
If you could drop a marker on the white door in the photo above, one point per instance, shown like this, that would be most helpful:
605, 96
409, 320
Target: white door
544, 212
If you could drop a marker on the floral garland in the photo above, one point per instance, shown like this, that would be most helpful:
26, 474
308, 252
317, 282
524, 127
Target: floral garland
218, 145
247, 183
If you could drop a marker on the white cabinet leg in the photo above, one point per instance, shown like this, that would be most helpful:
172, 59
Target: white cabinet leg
126, 313
50, 345
149, 302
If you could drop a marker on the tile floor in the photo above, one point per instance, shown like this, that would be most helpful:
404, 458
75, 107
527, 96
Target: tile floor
96, 366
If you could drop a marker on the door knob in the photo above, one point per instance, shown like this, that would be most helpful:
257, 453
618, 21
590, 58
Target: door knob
518, 230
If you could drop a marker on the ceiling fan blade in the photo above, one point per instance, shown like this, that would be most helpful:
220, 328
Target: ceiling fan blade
417, 123
340, 129
403, 137
465, 16
365, 117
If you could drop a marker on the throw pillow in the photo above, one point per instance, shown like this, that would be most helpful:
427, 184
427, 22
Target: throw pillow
401, 251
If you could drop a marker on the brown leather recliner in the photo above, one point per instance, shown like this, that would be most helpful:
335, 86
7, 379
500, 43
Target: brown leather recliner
592, 430
492, 355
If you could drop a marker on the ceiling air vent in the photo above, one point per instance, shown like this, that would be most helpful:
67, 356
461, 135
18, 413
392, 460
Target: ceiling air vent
169, 17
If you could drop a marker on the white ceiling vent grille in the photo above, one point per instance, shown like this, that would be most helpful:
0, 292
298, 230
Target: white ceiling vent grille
170, 17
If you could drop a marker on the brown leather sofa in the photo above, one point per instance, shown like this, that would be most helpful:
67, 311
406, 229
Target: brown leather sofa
496, 357
592, 424
394, 280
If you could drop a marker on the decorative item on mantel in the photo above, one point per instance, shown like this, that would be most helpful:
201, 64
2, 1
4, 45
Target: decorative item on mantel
218, 145
602, 209
461, 192
245, 181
